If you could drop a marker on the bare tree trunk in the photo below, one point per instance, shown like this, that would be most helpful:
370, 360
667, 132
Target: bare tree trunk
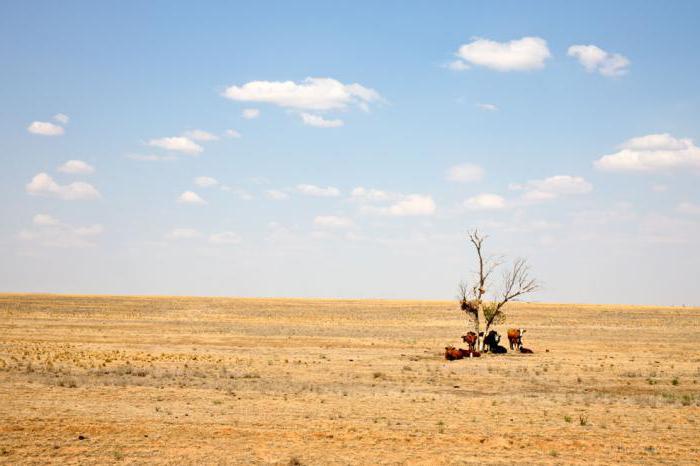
480, 324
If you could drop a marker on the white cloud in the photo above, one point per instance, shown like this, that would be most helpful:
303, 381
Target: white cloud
276, 195
43, 185
595, 59
489, 107
553, 187
177, 143
76, 167
659, 188
190, 197
44, 220
408, 206
372, 195
62, 118
485, 201
226, 237
183, 233
232, 133
310, 94
44, 128
150, 157
53, 233
311, 190
205, 181
199, 135
688, 208
528, 53
250, 113
464, 173
654, 152
319, 122
332, 221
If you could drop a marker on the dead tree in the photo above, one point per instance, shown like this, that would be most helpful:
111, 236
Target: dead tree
482, 314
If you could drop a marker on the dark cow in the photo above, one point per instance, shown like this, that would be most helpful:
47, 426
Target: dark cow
515, 337
491, 342
452, 353
470, 339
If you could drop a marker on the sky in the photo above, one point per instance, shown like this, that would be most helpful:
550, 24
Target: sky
345, 149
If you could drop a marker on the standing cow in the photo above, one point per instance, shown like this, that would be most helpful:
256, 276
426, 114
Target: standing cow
515, 337
470, 339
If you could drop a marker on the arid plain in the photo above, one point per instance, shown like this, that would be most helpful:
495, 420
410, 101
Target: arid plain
172, 380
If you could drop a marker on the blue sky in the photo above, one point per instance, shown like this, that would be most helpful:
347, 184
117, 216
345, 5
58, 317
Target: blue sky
344, 149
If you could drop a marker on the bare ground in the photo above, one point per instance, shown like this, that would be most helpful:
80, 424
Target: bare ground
99, 379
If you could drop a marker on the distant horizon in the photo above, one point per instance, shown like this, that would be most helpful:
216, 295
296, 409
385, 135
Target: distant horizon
323, 149
338, 298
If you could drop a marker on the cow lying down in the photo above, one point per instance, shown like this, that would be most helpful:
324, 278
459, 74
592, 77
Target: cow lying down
452, 353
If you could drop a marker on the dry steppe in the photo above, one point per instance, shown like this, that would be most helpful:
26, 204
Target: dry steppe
173, 380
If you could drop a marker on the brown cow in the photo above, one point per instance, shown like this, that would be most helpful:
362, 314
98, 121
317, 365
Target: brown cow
515, 337
469, 353
470, 339
452, 353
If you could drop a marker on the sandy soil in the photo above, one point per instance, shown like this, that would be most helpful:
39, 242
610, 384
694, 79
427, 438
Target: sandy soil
90, 379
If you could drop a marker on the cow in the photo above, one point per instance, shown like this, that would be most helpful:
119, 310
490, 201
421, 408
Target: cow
515, 337
470, 339
491, 342
469, 353
452, 353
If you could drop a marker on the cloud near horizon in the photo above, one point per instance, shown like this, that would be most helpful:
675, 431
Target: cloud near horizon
653, 152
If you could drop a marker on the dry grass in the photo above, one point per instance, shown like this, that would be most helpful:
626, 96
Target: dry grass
260, 381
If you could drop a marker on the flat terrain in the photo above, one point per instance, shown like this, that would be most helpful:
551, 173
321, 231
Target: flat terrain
98, 379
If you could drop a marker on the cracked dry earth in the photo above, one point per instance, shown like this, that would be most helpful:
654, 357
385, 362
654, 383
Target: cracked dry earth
172, 380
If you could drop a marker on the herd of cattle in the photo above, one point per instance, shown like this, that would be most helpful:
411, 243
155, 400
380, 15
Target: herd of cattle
491, 344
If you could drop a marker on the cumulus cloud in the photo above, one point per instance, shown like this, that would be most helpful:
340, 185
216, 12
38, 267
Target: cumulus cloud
408, 205
311, 190
372, 195
250, 113
178, 144
62, 118
594, 59
43, 185
232, 133
200, 135
309, 94
553, 187
485, 201
489, 107
76, 167
464, 173
183, 233
332, 221
190, 197
226, 237
205, 181
44, 128
653, 152
276, 195
319, 122
528, 53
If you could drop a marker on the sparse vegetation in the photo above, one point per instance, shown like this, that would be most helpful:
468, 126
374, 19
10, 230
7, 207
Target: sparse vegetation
201, 371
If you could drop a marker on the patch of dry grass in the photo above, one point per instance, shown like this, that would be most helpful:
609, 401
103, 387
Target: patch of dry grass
264, 381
